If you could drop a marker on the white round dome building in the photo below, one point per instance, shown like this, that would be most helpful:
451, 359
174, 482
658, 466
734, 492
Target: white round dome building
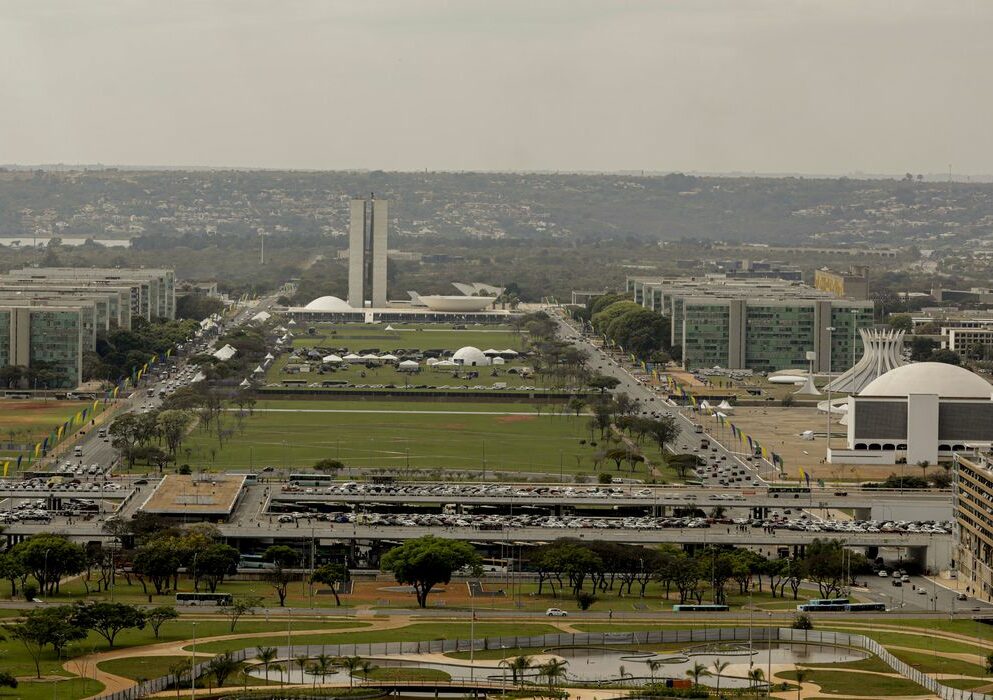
918, 412
470, 357
330, 304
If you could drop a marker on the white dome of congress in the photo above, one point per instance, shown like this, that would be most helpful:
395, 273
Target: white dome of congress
328, 304
930, 378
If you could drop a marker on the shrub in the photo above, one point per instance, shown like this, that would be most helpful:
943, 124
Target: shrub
605, 478
802, 622
30, 591
585, 600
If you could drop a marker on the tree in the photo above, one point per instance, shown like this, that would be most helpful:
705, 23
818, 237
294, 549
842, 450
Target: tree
553, 670
603, 382
55, 626
156, 617
158, 561
518, 667
329, 465
901, 322
427, 561
663, 431
755, 676
696, 672
283, 557
240, 607
802, 621
177, 670
924, 464
352, 663
332, 575
719, 668
216, 562
49, 558
266, 655
801, 675
585, 600
949, 357
323, 665
222, 666
173, 425
989, 662
12, 570
109, 619
823, 563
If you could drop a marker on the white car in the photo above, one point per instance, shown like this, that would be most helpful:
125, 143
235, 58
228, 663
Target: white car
556, 612
883, 574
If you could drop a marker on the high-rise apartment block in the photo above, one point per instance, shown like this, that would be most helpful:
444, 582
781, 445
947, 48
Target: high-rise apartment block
367, 252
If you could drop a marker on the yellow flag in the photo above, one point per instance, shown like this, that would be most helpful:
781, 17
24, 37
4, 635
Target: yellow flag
6, 466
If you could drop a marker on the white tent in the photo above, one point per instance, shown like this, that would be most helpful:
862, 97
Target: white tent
725, 406
331, 359
389, 358
369, 357
705, 405
245, 383
408, 366
389, 328
269, 356
291, 322
262, 316
445, 363
491, 352
258, 370
225, 353
409, 363
352, 357
499, 361
509, 352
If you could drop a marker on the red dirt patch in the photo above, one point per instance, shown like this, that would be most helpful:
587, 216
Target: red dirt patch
515, 419
452, 426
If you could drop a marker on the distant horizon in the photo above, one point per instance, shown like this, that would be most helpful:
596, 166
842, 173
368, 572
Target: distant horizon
963, 178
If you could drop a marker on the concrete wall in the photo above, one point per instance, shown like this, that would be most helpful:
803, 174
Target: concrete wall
356, 254
380, 225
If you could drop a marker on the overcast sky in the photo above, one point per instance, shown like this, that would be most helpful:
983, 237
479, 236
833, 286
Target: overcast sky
835, 86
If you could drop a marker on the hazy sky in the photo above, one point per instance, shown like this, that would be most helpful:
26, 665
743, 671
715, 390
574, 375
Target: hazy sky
834, 86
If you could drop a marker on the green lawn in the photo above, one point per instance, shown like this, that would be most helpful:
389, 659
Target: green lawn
409, 673
357, 337
69, 689
401, 435
860, 684
298, 594
930, 663
141, 667
923, 642
28, 422
411, 633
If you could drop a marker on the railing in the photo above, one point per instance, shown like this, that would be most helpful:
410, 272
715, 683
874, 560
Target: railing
661, 636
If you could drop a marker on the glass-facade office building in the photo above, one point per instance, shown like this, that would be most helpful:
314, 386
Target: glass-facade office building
49, 336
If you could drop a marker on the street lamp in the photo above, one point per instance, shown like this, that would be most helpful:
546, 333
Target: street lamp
827, 434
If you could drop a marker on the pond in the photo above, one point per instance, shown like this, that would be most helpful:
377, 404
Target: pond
606, 664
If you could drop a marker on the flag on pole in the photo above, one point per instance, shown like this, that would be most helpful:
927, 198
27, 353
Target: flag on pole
803, 474
44, 445
19, 458
37, 449
6, 468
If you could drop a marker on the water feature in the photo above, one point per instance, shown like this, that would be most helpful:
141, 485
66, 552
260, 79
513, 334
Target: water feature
592, 664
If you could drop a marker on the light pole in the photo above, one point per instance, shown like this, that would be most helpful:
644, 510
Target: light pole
827, 433
44, 592
193, 663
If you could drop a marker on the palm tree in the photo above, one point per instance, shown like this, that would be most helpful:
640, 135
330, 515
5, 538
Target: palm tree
301, 661
352, 663
553, 670
653, 666
266, 655
365, 668
755, 676
801, 676
279, 668
177, 670
696, 672
719, 667
324, 665
518, 665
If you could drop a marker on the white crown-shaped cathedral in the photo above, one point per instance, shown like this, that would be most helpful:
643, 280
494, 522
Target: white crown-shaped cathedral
883, 352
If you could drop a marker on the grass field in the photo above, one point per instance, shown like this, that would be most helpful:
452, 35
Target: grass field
28, 422
859, 684
356, 337
402, 434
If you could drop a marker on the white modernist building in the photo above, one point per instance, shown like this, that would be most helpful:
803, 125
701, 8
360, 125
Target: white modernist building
918, 412
883, 352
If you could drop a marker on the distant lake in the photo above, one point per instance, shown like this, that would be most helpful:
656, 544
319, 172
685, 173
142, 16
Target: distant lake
28, 241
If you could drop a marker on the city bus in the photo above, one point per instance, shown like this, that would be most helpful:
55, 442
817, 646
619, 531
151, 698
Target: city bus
203, 599
254, 561
796, 491
705, 607
824, 605
311, 479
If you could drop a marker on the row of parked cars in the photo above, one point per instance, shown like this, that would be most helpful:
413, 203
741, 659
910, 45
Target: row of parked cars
499, 522
57, 484
352, 488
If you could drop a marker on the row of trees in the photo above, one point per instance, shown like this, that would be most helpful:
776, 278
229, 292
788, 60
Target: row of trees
569, 565
143, 435
638, 330
59, 626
